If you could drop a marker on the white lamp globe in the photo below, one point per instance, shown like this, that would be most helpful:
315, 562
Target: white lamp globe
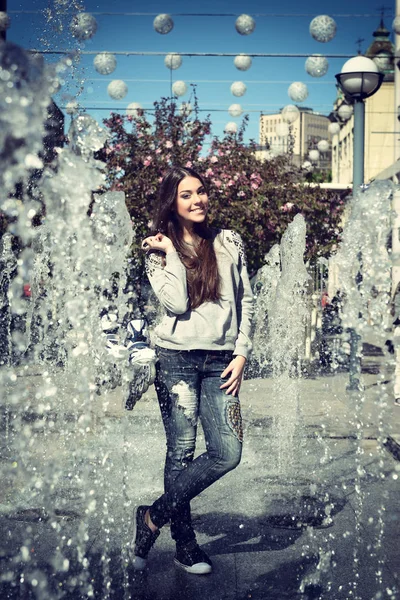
173, 61
117, 89
83, 26
333, 128
323, 145
238, 88
179, 88
313, 155
282, 130
245, 24
323, 28
396, 25
4, 21
307, 165
242, 62
134, 109
163, 24
290, 113
359, 77
72, 107
235, 110
105, 63
231, 127
298, 91
185, 109
316, 65
345, 111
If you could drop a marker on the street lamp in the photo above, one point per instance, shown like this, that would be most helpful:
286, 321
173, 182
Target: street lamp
359, 79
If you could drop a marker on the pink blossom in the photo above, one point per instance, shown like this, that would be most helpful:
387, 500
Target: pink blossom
214, 159
235, 177
140, 135
217, 182
158, 151
179, 142
147, 161
160, 179
287, 207
253, 176
220, 153
241, 194
231, 182
118, 146
168, 144
189, 164
254, 186
199, 148
209, 172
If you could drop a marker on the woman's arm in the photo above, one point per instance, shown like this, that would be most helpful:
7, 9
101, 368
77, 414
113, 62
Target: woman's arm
167, 274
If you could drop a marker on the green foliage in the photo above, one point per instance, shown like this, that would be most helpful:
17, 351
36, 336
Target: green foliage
257, 198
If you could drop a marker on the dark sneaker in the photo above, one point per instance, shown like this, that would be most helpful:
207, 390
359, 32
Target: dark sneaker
144, 539
193, 559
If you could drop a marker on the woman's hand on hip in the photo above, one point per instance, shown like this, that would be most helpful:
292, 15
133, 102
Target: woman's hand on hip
158, 242
235, 371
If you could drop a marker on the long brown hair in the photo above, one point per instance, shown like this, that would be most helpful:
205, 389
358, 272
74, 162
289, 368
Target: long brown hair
201, 267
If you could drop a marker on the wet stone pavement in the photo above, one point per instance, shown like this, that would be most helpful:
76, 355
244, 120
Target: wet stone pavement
312, 511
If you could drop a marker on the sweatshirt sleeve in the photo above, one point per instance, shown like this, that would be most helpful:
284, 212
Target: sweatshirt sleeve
244, 300
168, 281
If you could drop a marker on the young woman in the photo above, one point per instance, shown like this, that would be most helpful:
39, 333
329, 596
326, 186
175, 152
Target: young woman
199, 276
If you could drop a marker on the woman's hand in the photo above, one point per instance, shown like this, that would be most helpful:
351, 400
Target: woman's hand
235, 370
158, 242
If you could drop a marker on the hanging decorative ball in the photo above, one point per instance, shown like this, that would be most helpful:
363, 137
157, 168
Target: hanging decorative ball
117, 89
277, 148
323, 28
235, 110
345, 111
185, 109
105, 63
238, 88
134, 109
72, 107
298, 91
313, 155
323, 145
83, 26
317, 65
245, 24
242, 62
231, 127
290, 113
333, 128
307, 165
163, 24
173, 61
4, 21
282, 130
179, 88
396, 25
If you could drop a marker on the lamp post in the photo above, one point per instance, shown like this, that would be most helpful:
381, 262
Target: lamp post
359, 79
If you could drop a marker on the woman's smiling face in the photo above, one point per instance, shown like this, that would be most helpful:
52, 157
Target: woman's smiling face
191, 202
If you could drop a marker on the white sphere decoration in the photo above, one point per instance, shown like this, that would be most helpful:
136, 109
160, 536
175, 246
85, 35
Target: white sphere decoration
238, 88
173, 61
231, 127
345, 111
235, 110
185, 109
396, 25
277, 148
179, 88
245, 24
105, 63
307, 165
4, 21
117, 89
132, 110
163, 24
242, 62
298, 91
333, 128
317, 65
323, 145
313, 155
290, 113
323, 28
72, 107
83, 26
282, 130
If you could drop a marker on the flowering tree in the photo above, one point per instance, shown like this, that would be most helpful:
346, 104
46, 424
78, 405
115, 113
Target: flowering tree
256, 198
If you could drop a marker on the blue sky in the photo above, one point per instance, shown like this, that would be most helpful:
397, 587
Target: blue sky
285, 30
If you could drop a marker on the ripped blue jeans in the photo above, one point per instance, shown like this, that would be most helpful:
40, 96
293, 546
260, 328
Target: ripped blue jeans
188, 388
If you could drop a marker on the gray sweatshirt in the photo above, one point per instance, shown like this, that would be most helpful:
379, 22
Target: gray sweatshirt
219, 325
